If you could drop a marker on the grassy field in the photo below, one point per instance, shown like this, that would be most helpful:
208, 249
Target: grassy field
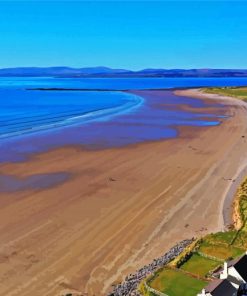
224, 238
219, 245
199, 265
241, 240
176, 283
239, 92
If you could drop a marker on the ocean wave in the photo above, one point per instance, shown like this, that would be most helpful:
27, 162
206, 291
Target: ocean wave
17, 127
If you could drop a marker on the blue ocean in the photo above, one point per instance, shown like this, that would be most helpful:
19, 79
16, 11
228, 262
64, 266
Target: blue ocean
38, 120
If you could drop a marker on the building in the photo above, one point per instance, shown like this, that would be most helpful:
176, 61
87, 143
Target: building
219, 287
235, 271
232, 278
242, 290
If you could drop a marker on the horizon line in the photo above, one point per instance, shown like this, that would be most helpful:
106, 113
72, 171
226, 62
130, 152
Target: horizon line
123, 68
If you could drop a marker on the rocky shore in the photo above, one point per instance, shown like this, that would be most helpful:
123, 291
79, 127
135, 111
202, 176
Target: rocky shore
129, 287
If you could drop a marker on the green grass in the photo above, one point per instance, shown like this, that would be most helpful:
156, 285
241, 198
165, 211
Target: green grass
218, 245
223, 238
238, 92
220, 251
241, 240
175, 283
142, 289
199, 265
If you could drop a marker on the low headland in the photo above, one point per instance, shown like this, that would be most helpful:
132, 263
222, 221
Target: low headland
234, 92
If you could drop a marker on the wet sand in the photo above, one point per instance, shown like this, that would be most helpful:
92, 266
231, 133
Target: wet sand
119, 207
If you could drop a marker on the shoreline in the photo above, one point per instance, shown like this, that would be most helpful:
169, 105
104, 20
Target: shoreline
118, 211
58, 122
236, 179
156, 116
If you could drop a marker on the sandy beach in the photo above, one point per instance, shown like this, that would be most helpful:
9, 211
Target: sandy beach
119, 207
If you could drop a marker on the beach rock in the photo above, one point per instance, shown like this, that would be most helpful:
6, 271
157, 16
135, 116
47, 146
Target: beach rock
130, 285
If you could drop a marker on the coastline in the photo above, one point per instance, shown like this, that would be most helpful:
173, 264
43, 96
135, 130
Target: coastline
235, 180
118, 210
53, 122
157, 115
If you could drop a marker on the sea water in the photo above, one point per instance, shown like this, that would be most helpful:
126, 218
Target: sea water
35, 120
23, 112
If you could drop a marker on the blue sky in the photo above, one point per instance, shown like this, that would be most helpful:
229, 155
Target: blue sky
124, 34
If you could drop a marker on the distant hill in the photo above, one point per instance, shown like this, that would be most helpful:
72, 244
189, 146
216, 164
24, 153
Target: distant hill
58, 71
108, 72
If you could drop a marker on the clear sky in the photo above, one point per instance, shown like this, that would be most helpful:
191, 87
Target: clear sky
124, 34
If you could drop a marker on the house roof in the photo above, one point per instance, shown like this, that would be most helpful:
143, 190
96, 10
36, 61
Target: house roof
240, 264
234, 280
220, 288
242, 290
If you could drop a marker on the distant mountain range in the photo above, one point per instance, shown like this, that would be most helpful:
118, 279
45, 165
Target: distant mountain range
108, 72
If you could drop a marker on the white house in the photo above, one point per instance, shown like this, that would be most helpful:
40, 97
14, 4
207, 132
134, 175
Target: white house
235, 271
232, 276
219, 287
